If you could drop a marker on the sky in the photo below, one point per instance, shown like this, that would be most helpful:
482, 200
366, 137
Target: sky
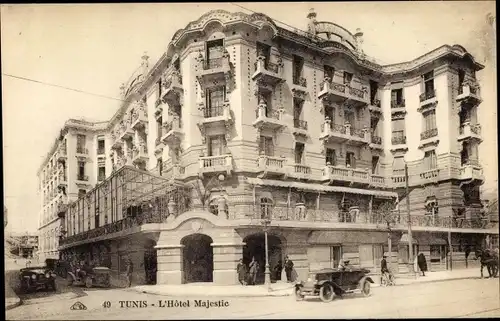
95, 48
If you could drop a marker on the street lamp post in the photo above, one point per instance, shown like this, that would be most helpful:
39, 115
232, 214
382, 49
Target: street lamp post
267, 271
410, 240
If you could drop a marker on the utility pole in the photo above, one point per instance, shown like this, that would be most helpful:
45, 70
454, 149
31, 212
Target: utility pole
267, 273
410, 239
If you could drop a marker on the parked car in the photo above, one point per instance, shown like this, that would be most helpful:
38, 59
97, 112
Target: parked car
97, 276
327, 283
34, 278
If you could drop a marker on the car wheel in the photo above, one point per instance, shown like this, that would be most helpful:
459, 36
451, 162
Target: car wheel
298, 294
366, 288
88, 282
326, 293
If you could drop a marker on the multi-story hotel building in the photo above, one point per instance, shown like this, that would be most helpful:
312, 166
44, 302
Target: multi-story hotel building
75, 163
243, 125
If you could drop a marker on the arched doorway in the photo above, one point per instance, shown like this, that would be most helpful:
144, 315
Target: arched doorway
197, 258
255, 247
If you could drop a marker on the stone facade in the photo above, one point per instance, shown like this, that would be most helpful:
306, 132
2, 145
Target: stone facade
305, 131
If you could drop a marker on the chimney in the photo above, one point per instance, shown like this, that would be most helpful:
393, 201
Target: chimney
359, 41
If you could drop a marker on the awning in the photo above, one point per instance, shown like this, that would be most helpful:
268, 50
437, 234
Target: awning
404, 239
321, 188
344, 237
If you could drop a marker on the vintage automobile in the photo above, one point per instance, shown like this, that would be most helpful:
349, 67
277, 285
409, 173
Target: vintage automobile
35, 278
98, 276
327, 283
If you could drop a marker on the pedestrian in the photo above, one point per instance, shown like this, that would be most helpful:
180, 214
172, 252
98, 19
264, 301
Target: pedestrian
241, 269
254, 267
128, 273
277, 271
288, 269
383, 268
422, 263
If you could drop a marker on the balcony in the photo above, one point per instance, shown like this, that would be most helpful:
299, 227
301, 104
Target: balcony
62, 207
429, 176
125, 132
339, 174
80, 152
215, 70
468, 131
116, 142
216, 164
268, 74
268, 119
172, 132
172, 86
398, 143
376, 142
140, 154
469, 93
375, 107
471, 173
300, 171
300, 127
270, 165
337, 133
159, 145
427, 99
341, 93
82, 180
139, 118
378, 181
299, 88
398, 181
398, 107
62, 181
429, 137
101, 178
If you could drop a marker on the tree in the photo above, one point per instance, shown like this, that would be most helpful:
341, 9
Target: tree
386, 215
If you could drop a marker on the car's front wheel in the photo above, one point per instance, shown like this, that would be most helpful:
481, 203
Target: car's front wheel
366, 288
298, 294
326, 293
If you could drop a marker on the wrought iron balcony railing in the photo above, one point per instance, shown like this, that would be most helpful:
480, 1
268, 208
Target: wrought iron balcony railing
428, 94
429, 133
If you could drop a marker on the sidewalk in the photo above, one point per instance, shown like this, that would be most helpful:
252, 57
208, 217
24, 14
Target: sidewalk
11, 298
208, 289
401, 279
286, 289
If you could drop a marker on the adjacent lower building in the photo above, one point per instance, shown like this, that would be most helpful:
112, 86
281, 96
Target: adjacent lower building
244, 128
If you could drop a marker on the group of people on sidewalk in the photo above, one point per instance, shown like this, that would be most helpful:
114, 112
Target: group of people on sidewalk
420, 261
247, 275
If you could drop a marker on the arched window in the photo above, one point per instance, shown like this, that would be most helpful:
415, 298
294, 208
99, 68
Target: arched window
266, 207
214, 205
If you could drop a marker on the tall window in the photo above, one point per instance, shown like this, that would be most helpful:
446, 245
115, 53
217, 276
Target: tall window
347, 78
217, 145
81, 193
298, 65
297, 113
159, 164
331, 157
429, 120
398, 166
159, 127
215, 101
330, 113
102, 173
264, 50
299, 153
429, 84
430, 160
373, 91
268, 99
215, 51
266, 146
266, 206
100, 146
398, 131
397, 97
335, 255
350, 160
375, 164
81, 170
374, 125
158, 89
80, 144
329, 71
349, 118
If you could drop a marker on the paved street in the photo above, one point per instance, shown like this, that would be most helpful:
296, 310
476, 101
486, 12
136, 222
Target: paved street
460, 298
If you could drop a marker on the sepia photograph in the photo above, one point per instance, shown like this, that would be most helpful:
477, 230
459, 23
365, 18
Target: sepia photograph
239, 160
